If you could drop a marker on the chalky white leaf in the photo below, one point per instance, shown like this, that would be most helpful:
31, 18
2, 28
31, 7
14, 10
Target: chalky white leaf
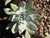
22, 26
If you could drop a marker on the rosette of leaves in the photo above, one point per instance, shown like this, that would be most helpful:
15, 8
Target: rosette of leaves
22, 18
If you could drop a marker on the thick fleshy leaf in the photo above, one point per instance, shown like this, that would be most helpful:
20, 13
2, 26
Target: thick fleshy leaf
22, 4
7, 1
35, 16
27, 35
20, 10
13, 18
31, 11
30, 30
14, 28
14, 7
35, 22
28, 23
22, 26
32, 26
29, 5
8, 11
28, 18
9, 25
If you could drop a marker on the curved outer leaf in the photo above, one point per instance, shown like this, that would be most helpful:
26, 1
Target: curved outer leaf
35, 16
14, 28
9, 25
13, 6
22, 26
27, 35
28, 23
13, 18
8, 11
30, 30
32, 26
31, 11
22, 4
7, 1
21, 8
28, 18
29, 5
35, 22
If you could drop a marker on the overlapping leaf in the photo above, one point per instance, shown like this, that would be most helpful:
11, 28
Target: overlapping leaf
32, 26
13, 6
25, 19
30, 30
8, 11
35, 16
9, 26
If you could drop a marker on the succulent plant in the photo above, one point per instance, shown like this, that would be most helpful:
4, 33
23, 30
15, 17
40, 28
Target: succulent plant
22, 18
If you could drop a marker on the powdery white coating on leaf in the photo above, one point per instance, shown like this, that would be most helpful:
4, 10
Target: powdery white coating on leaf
24, 19
22, 26
7, 11
21, 9
13, 17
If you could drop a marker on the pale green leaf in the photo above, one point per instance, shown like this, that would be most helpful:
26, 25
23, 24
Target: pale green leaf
30, 30
27, 35
35, 22
28, 18
31, 11
13, 18
32, 26
14, 28
8, 11
13, 6
7, 1
29, 5
35, 16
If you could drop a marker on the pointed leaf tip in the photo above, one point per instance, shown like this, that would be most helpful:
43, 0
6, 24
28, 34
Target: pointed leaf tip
13, 6
7, 1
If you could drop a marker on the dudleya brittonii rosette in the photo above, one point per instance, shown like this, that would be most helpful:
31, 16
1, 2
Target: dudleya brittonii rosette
23, 18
